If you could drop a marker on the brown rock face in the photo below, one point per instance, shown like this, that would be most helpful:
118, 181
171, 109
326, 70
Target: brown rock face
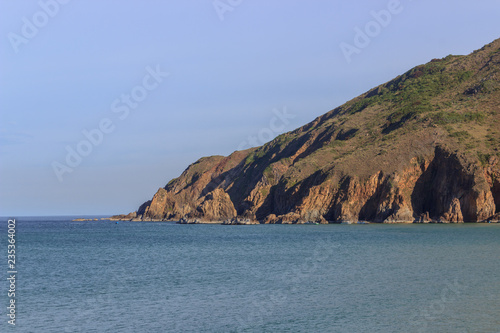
216, 205
454, 213
410, 150
442, 188
197, 194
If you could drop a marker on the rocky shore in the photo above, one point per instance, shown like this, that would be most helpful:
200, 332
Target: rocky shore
421, 148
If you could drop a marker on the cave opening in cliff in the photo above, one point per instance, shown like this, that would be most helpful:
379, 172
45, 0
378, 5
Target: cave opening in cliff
495, 190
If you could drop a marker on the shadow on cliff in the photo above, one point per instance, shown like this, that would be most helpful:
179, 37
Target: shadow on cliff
282, 201
370, 210
244, 177
445, 179
495, 190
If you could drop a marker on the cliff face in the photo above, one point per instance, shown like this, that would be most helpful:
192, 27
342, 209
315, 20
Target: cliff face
423, 147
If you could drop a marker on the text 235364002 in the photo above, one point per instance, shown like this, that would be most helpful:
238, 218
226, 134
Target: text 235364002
11, 272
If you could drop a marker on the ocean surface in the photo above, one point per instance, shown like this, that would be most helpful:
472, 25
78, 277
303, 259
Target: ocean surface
164, 277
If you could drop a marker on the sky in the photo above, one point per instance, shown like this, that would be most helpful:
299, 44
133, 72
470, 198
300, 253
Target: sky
102, 102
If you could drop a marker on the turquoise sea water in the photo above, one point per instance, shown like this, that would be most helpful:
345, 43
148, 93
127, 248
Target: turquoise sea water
164, 277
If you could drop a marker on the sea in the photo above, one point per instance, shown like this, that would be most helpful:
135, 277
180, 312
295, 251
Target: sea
103, 276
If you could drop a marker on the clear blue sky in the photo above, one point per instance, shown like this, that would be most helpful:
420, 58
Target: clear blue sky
68, 68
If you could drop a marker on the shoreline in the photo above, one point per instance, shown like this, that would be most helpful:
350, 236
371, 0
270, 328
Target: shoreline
238, 221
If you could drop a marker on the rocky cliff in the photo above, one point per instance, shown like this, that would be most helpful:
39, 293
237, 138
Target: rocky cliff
423, 147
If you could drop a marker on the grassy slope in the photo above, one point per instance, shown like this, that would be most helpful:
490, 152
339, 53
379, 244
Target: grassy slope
452, 101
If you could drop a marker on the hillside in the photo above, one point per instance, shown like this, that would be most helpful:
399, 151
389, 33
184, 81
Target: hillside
423, 147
